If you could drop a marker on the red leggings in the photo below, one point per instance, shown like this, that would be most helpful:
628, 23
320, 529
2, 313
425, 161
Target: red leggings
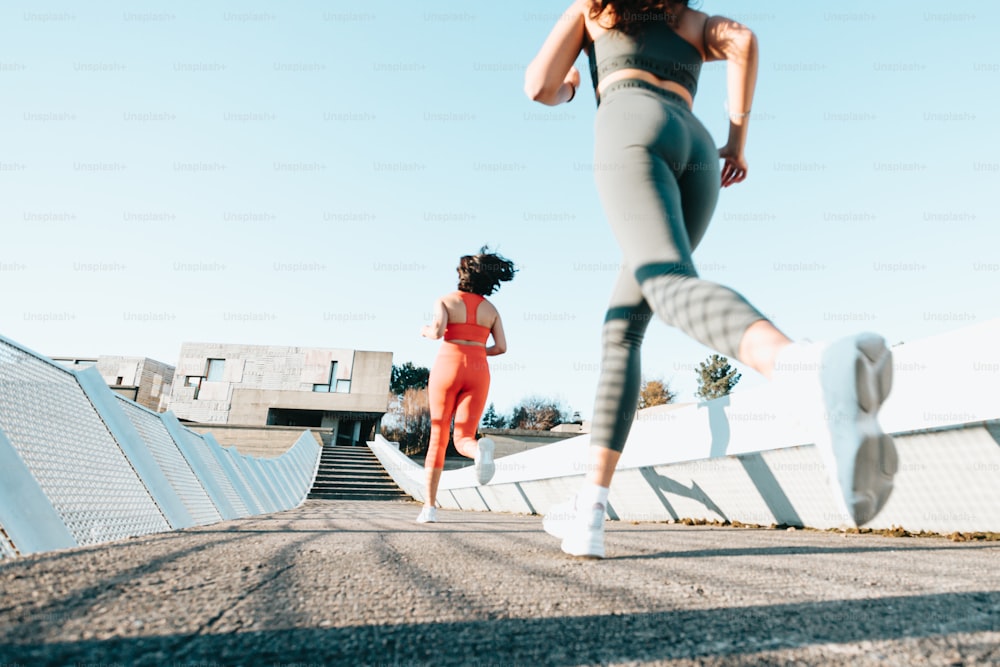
458, 386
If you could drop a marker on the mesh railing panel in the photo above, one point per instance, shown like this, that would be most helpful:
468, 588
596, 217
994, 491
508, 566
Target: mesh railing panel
173, 464
269, 493
250, 485
299, 464
70, 452
279, 484
199, 448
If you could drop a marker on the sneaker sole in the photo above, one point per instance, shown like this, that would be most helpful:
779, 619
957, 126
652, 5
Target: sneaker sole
423, 518
877, 461
589, 550
874, 459
486, 468
559, 524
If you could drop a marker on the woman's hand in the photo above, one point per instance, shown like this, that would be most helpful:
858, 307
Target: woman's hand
734, 166
427, 331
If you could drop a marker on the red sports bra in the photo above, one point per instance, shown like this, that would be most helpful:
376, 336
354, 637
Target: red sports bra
468, 330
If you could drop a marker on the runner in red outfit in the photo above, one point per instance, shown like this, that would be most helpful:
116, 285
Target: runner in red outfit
460, 379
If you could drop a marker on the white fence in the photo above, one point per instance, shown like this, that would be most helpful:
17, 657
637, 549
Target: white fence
742, 458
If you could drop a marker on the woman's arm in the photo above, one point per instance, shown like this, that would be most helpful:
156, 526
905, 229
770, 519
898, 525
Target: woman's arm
499, 340
551, 78
736, 44
436, 330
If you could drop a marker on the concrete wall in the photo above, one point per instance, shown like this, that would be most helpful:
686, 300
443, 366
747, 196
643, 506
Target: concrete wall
513, 441
154, 381
250, 406
260, 441
144, 380
372, 374
747, 457
258, 377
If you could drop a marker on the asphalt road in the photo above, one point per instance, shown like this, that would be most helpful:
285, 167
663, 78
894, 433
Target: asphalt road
358, 583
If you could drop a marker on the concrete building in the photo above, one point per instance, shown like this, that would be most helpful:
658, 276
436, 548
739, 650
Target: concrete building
143, 380
344, 390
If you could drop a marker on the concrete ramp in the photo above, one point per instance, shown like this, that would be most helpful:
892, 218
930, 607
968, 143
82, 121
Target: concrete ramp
742, 458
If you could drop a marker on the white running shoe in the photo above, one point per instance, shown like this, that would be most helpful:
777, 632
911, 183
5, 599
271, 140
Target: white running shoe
840, 387
485, 467
428, 515
581, 530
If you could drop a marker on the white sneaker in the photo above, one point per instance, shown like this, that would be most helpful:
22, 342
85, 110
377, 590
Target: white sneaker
839, 387
581, 530
428, 515
485, 467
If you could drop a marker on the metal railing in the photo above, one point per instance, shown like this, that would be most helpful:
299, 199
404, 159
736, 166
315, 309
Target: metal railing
81, 465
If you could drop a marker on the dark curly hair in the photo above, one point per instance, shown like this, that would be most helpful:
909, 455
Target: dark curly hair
631, 16
482, 273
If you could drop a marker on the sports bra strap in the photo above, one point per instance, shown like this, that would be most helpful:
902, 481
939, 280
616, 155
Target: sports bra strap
471, 309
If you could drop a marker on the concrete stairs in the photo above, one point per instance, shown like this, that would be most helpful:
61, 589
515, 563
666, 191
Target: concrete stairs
353, 473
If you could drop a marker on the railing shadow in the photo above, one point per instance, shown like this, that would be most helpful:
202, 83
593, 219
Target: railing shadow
693, 634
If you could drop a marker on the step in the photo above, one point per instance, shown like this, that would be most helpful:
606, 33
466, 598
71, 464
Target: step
350, 459
353, 473
340, 484
351, 495
367, 472
354, 480
386, 486
369, 481
353, 463
350, 465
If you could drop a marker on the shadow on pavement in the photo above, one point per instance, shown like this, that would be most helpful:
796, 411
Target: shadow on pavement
553, 641
796, 550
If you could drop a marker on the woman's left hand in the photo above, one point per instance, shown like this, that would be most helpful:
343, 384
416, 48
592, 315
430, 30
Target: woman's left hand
734, 167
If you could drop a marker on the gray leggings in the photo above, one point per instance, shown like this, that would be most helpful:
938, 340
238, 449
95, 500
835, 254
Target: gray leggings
657, 173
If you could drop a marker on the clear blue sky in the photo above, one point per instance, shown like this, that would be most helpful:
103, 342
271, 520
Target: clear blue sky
308, 174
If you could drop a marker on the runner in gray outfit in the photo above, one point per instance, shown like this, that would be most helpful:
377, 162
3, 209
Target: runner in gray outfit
658, 177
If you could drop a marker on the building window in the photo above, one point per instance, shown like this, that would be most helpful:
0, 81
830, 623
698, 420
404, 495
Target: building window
119, 379
329, 386
193, 381
343, 386
215, 370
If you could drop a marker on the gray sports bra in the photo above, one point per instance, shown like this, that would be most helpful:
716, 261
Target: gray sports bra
658, 50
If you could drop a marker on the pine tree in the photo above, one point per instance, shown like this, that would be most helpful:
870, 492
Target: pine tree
716, 378
491, 419
406, 377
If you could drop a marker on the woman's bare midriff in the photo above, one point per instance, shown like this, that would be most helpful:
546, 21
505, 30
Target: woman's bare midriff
459, 341
648, 77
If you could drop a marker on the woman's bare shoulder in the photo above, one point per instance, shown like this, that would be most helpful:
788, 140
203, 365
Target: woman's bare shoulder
695, 18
